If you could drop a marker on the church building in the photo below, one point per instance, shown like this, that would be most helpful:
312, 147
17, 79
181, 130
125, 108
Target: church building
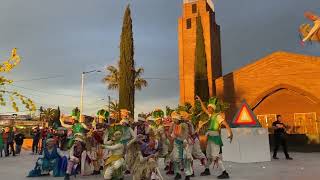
281, 83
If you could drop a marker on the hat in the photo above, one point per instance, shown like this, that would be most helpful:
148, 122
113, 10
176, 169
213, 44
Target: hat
175, 115
185, 115
124, 121
50, 140
103, 113
79, 139
213, 102
157, 113
141, 117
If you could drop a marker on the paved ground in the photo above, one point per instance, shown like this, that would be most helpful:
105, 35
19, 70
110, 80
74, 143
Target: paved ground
304, 166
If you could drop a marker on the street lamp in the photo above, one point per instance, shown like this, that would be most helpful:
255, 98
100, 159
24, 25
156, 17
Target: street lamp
82, 89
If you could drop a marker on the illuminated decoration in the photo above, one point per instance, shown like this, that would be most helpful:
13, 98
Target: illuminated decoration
245, 117
310, 32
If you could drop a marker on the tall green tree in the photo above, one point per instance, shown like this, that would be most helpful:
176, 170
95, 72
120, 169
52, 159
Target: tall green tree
201, 74
126, 65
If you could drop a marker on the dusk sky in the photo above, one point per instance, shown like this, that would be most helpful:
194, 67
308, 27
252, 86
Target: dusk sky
58, 39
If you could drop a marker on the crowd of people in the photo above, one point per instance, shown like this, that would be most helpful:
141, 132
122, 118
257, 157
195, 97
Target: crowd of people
11, 141
114, 147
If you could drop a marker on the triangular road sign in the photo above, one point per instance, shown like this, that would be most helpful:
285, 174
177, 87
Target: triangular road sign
245, 117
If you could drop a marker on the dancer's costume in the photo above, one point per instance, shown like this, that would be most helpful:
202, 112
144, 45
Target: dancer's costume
127, 132
78, 128
142, 158
51, 160
195, 142
214, 141
77, 158
141, 127
181, 153
115, 161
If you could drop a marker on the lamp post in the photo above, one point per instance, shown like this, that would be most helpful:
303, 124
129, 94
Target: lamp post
82, 91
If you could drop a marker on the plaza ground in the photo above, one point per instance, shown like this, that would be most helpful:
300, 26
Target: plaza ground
304, 166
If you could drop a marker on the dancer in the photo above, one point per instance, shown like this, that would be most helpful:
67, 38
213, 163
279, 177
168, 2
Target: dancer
76, 155
142, 158
115, 161
181, 153
52, 159
195, 145
216, 120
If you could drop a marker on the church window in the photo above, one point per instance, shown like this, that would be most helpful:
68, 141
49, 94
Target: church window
194, 8
189, 23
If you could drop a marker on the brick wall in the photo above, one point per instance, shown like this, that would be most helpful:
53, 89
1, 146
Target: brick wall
281, 83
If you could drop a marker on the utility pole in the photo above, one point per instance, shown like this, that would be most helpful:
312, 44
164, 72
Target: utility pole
81, 96
109, 103
82, 91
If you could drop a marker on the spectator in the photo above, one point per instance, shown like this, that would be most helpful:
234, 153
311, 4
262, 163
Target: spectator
1, 142
280, 137
19, 142
44, 133
10, 142
35, 140
5, 140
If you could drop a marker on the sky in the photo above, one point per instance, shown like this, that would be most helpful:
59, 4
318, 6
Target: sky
59, 39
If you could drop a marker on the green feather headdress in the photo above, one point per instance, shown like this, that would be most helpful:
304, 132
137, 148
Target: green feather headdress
158, 113
75, 113
103, 113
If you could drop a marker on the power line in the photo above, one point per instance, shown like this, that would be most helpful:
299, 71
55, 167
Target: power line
41, 78
49, 93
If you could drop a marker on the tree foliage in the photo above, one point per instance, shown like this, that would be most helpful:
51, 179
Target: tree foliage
126, 65
201, 74
5, 67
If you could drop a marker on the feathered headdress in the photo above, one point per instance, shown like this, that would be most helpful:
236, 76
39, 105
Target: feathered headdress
104, 114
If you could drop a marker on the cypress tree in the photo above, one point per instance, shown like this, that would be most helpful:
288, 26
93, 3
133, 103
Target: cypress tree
201, 74
126, 65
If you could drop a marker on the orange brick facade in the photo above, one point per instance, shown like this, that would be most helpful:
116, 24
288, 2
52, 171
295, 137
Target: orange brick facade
281, 83
187, 43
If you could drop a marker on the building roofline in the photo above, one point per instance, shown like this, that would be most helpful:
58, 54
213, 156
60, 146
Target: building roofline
275, 55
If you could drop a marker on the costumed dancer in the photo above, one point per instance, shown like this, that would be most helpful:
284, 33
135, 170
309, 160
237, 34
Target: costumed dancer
181, 153
167, 123
214, 143
141, 127
78, 128
142, 157
115, 161
76, 156
173, 132
52, 159
160, 133
195, 145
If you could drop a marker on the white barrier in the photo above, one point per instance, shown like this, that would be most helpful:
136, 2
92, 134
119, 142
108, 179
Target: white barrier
248, 145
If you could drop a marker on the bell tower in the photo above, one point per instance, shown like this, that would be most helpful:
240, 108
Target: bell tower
191, 9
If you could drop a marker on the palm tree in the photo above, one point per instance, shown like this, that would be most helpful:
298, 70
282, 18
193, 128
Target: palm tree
49, 114
112, 78
139, 82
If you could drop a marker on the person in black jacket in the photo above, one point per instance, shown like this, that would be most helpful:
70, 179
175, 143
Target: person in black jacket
10, 143
35, 140
19, 141
280, 138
